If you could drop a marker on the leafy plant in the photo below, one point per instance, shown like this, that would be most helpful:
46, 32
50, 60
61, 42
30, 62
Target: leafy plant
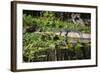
44, 44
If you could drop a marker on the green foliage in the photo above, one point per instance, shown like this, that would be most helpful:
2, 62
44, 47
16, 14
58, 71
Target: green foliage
45, 44
48, 22
27, 20
35, 47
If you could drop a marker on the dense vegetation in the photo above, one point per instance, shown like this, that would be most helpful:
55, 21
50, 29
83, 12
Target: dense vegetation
47, 21
41, 43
